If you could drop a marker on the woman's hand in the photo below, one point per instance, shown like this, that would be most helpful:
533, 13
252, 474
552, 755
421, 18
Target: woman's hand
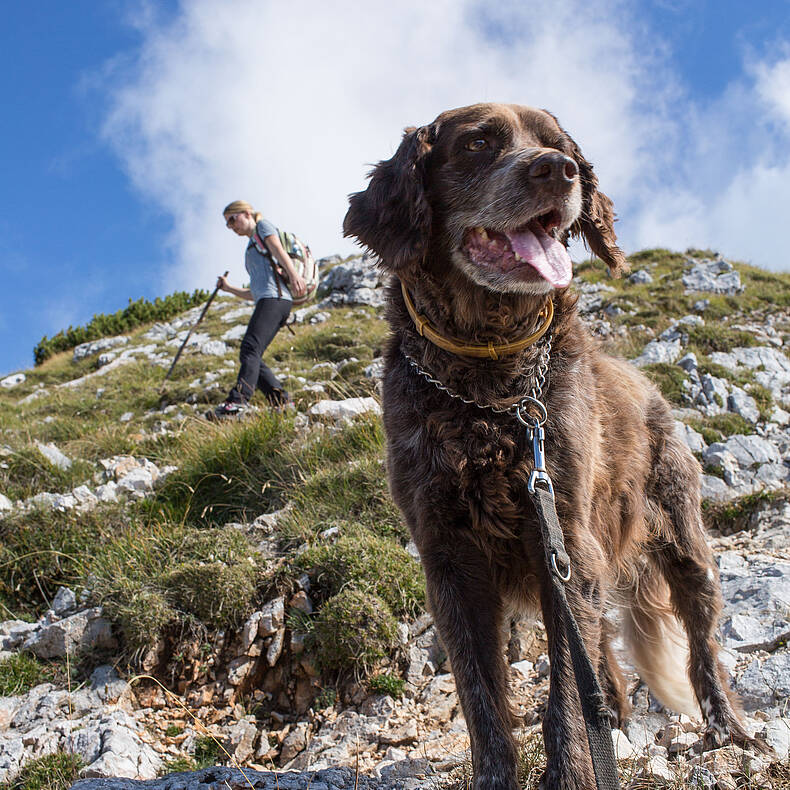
222, 283
298, 285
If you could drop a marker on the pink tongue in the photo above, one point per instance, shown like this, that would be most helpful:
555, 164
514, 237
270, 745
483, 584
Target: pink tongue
544, 253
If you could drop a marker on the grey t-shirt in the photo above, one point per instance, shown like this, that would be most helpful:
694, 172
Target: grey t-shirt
259, 267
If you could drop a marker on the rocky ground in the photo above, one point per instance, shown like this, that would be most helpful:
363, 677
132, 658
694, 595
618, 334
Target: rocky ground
415, 736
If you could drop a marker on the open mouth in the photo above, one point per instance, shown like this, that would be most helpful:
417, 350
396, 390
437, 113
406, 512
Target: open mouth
528, 249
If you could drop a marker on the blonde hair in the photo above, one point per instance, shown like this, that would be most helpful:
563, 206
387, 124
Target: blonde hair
240, 207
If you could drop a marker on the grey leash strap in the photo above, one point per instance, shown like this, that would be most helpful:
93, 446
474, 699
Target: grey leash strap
558, 564
591, 697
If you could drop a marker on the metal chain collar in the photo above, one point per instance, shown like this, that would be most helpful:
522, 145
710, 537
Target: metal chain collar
518, 409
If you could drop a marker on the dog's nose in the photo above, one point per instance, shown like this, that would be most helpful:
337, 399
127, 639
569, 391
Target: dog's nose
553, 166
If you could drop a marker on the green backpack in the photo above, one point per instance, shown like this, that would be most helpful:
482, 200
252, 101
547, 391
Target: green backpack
302, 258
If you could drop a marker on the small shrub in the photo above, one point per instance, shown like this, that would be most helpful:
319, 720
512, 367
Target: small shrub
370, 563
217, 594
178, 765
173, 730
326, 698
352, 632
141, 612
387, 684
55, 771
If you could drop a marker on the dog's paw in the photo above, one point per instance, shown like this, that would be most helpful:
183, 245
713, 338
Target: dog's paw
494, 783
553, 781
716, 737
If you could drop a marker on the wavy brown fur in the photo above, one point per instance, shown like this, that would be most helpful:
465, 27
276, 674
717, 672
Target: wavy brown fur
627, 490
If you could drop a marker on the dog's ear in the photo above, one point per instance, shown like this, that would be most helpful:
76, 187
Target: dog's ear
392, 216
596, 221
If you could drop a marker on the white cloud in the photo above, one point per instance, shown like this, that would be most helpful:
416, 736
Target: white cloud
730, 185
288, 104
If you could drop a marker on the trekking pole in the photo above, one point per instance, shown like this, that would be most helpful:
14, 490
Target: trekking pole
189, 334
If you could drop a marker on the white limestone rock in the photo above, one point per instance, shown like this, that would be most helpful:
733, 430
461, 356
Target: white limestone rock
656, 351
713, 276
51, 452
14, 380
72, 635
84, 350
346, 409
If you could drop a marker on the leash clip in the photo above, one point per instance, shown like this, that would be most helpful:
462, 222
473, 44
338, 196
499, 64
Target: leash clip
534, 425
539, 474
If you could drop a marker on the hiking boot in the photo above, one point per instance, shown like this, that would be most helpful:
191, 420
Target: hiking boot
227, 410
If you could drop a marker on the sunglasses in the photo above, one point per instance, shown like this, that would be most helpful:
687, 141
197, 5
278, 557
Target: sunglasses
231, 220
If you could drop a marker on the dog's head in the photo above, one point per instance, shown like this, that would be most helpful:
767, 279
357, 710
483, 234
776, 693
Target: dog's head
496, 189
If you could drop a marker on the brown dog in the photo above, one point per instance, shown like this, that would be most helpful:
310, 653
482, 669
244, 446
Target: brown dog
471, 215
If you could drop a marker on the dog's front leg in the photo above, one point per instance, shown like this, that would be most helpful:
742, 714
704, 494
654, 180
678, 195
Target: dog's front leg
468, 613
568, 765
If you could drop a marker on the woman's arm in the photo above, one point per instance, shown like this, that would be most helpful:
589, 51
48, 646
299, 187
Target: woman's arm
244, 293
297, 284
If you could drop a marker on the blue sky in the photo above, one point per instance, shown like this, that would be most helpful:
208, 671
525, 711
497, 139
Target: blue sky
128, 125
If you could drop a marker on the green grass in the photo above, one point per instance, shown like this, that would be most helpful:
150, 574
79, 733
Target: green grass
27, 472
714, 337
738, 515
385, 683
721, 426
22, 671
208, 752
55, 771
166, 564
669, 379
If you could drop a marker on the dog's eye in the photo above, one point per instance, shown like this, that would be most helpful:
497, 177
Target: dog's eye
477, 145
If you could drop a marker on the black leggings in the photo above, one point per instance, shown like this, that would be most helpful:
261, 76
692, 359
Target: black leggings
267, 318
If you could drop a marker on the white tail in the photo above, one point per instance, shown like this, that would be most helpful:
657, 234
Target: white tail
659, 645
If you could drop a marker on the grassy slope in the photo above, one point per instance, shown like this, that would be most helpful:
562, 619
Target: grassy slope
171, 565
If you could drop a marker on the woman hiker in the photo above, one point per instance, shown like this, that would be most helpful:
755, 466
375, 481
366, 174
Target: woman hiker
272, 295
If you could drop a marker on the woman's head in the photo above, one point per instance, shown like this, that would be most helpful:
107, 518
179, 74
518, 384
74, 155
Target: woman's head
241, 217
